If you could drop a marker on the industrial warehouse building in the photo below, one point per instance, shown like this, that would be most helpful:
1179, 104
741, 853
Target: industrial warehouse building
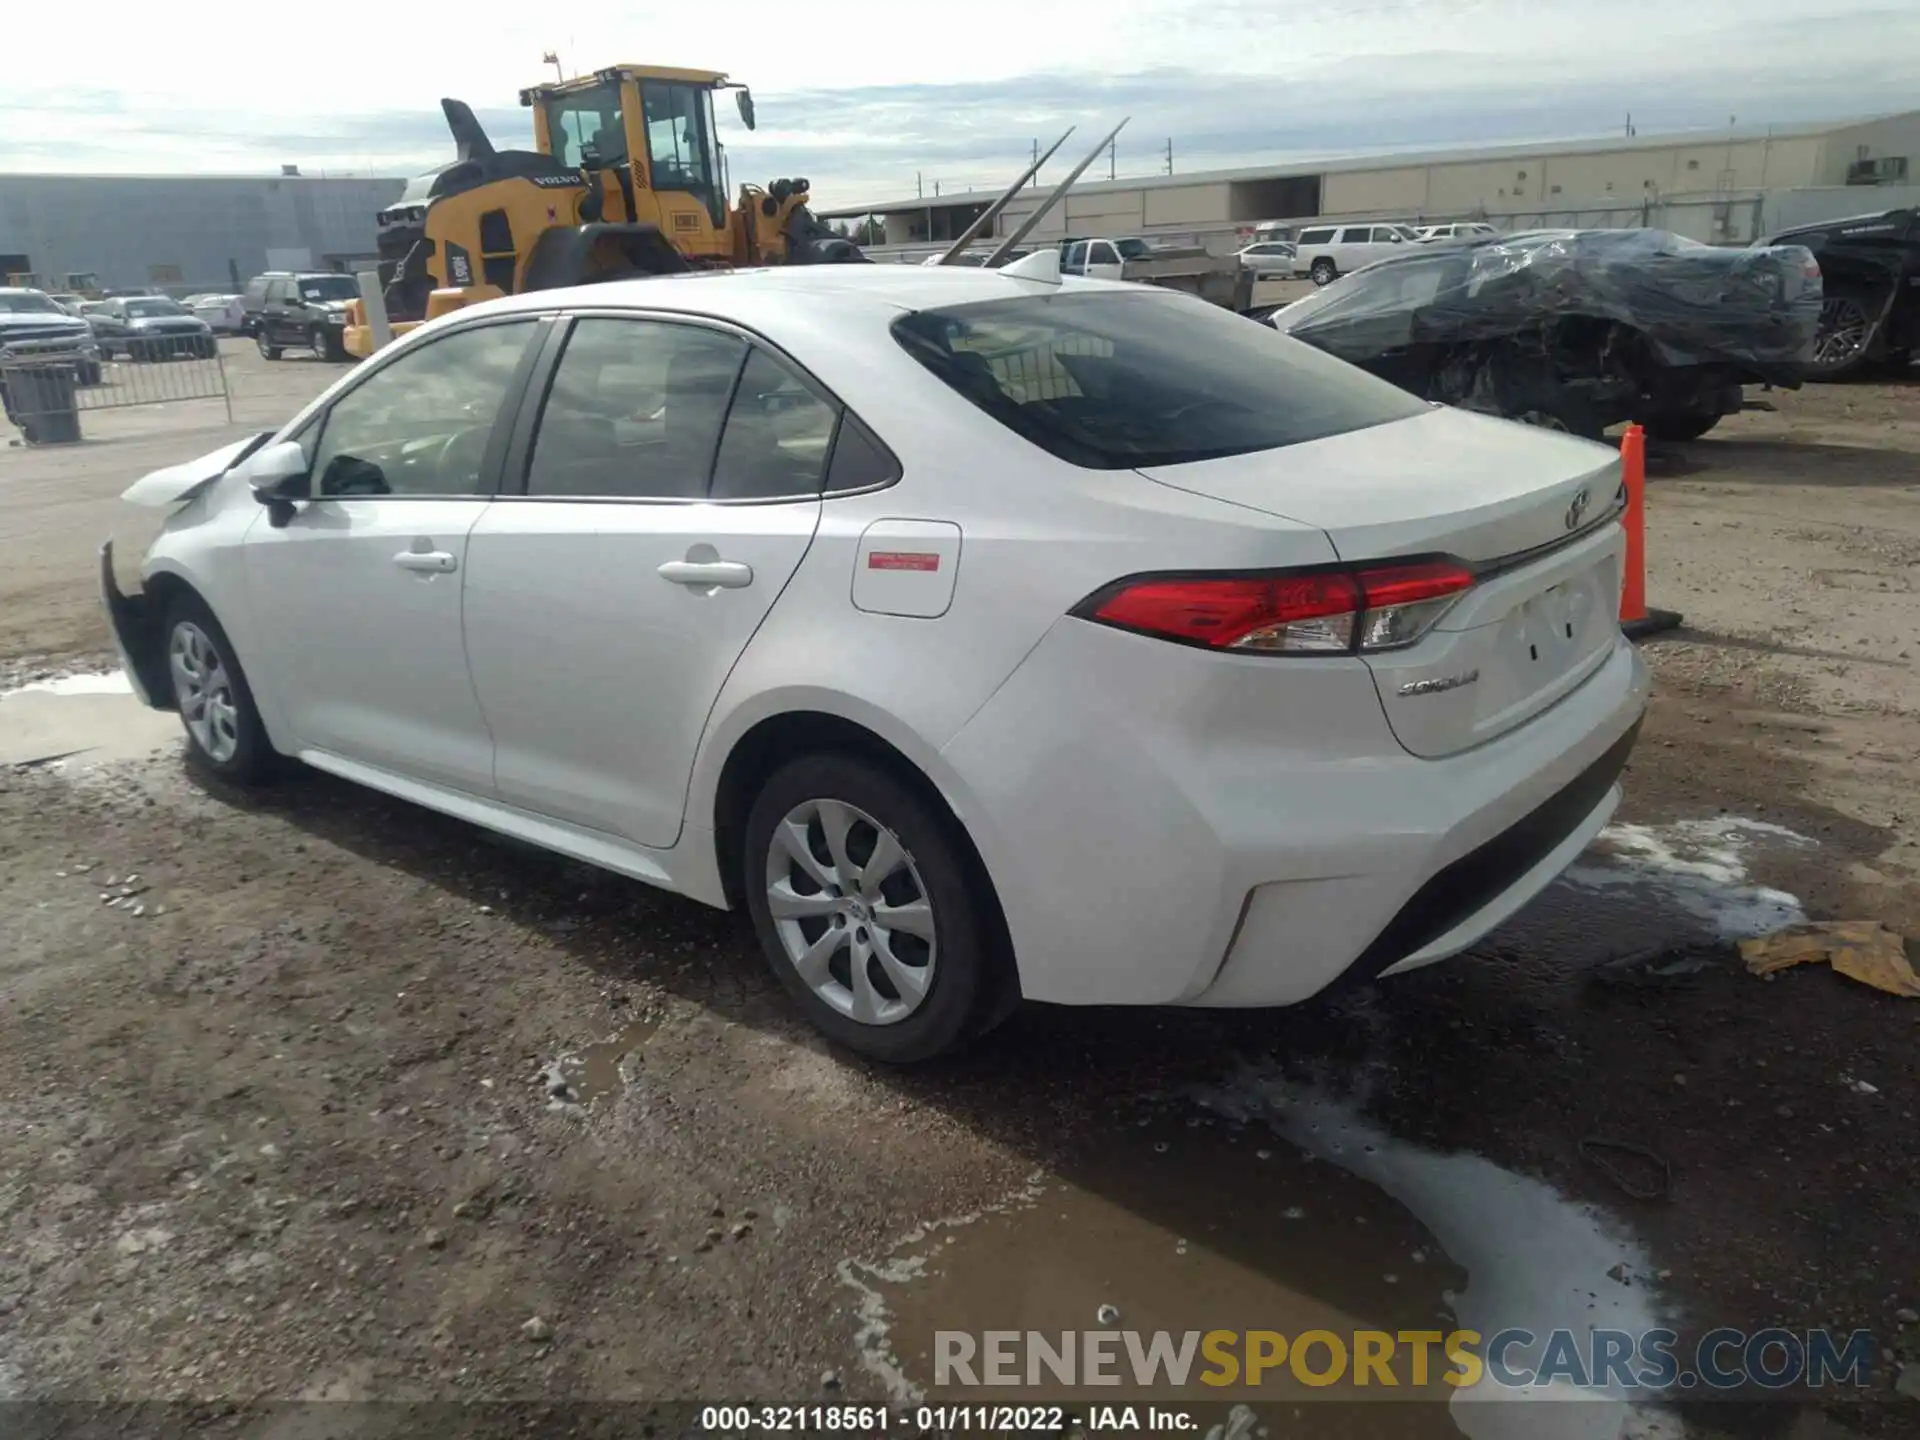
186, 232
1726, 186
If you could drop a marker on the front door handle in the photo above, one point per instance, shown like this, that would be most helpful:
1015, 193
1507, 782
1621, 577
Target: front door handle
428, 562
708, 574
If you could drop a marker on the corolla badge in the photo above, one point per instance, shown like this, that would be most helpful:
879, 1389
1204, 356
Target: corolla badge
1440, 684
1577, 511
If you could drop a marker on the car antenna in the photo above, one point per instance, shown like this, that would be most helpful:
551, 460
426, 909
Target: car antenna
986, 217
1008, 245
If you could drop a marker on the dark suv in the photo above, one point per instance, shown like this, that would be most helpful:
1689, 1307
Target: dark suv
1870, 281
308, 311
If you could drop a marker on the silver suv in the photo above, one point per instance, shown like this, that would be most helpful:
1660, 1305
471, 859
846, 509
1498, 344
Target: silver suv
32, 327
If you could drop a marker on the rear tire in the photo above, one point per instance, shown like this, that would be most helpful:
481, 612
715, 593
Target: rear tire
904, 912
225, 738
1324, 271
1843, 345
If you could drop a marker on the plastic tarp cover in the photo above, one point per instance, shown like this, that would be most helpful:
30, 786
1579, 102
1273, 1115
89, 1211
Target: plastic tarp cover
1693, 303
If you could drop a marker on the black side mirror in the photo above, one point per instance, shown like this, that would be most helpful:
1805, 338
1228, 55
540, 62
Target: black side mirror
743, 98
280, 478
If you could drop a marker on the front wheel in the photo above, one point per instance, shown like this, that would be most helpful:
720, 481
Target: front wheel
268, 350
225, 738
324, 345
1323, 271
863, 900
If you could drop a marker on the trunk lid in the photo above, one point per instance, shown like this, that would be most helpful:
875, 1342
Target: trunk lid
1529, 509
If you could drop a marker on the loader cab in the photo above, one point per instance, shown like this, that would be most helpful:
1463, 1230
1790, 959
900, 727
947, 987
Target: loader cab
649, 130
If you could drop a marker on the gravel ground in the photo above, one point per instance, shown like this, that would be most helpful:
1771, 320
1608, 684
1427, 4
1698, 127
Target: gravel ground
312, 1094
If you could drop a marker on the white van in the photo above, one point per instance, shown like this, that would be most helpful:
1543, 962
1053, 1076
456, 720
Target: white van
1329, 250
1459, 230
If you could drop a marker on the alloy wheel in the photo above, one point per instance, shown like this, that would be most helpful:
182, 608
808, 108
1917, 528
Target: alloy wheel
260, 340
851, 911
1842, 334
204, 690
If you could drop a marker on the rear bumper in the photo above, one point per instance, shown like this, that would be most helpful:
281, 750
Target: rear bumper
1168, 826
135, 636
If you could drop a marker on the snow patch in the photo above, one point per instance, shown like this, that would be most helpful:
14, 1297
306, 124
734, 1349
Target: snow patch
1700, 867
106, 682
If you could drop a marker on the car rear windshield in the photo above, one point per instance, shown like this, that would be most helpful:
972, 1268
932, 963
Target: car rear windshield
1110, 380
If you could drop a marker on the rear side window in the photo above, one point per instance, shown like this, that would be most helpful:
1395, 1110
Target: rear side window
634, 411
1362, 235
778, 436
1315, 237
1111, 381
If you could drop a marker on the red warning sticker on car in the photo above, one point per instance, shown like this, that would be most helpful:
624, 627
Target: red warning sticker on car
902, 560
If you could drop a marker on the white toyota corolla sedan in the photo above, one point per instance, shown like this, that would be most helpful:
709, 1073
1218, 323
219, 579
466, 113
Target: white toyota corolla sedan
982, 636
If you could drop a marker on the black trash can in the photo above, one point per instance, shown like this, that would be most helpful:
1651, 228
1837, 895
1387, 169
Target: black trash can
43, 400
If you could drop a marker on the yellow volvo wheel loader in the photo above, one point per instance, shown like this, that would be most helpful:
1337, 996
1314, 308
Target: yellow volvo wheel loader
627, 177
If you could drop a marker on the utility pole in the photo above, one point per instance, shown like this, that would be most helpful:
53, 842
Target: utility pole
919, 190
1169, 154
936, 189
1113, 151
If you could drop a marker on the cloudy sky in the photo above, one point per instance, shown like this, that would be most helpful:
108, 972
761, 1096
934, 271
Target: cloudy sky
862, 97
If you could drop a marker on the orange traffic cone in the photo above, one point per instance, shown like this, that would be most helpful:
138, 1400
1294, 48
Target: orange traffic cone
1635, 618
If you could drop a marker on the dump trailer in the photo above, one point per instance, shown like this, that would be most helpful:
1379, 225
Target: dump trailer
626, 177
1221, 279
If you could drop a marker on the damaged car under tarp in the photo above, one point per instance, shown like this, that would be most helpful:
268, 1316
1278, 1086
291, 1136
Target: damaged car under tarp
1577, 330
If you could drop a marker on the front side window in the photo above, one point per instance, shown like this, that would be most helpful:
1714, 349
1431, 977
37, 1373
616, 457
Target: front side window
276, 291
1114, 380
586, 127
420, 425
635, 411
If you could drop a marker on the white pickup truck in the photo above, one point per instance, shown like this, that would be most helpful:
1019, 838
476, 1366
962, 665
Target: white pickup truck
1218, 278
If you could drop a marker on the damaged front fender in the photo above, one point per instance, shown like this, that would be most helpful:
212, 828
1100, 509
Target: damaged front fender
173, 484
136, 635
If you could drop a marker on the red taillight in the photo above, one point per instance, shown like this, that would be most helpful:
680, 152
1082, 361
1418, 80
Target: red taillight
1313, 612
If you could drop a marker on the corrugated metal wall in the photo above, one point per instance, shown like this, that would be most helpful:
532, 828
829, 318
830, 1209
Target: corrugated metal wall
128, 229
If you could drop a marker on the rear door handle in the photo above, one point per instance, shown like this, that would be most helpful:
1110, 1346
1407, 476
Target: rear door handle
702, 574
429, 562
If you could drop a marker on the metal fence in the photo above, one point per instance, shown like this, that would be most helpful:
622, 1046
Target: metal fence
45, 395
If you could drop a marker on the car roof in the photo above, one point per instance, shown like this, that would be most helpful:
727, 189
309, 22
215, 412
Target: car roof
872, 288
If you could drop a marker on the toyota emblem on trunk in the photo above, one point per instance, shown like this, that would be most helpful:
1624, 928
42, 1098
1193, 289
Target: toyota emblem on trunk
1578, 508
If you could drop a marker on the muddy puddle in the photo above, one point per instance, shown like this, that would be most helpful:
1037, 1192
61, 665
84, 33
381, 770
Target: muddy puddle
1246, 1207
1258, 1204
599, 1069
80, 720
